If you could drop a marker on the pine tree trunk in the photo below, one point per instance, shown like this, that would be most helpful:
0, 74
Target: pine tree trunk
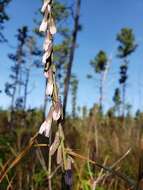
71, 56
124, 92
101, 93
26, 88
123, 99
13, 95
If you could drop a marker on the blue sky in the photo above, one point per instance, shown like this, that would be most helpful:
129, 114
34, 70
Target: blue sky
101, 21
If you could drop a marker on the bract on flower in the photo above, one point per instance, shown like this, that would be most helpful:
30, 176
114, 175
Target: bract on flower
55, 144
59, 155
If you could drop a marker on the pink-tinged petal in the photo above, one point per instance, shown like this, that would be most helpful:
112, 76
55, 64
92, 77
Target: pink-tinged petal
49, 117
49, 89
49, 8
56, 115
44, 58
57, 111
47, 44
52, 26
45, 128
43, 26
45, 5
42, 128
50, 85
47, 53
46, 74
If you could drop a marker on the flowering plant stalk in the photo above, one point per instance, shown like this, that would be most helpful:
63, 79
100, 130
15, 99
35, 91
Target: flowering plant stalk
55, 112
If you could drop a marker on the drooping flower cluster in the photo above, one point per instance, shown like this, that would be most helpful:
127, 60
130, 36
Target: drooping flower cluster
48, 27
56, 112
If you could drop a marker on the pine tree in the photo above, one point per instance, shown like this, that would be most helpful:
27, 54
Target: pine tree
33, 60
99, 65
76, 29
127, 46
24, 59
3, 18
117, 100
74, 88
14, 87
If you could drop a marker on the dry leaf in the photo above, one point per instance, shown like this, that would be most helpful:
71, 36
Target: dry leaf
55, 144
53, 68
59, 155
69, 162
61, 132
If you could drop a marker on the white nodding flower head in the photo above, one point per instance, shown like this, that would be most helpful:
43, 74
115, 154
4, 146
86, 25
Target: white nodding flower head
47, 54
43, 26
46, 125
45, 128
56, 115
49, 89
57, 111
50, 85
46, 5
52, 27
44, 58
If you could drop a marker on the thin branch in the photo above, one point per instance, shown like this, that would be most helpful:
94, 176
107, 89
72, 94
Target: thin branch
4, 172
100, 177
129, 181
